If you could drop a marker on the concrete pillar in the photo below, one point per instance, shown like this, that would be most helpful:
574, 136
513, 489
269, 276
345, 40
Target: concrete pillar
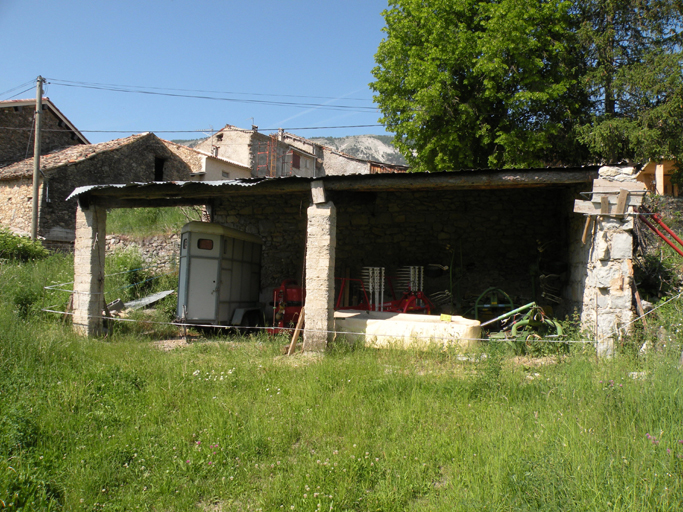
91, 228
321, 242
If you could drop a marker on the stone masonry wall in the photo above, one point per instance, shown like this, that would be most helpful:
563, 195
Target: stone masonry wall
17, 145
154, 250
15, 205
280, 221
490, 236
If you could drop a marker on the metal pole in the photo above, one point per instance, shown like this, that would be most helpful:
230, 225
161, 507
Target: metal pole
36, 158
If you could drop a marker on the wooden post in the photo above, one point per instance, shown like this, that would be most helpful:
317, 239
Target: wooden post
297, 330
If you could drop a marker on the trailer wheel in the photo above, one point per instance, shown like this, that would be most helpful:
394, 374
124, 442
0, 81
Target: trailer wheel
251, 322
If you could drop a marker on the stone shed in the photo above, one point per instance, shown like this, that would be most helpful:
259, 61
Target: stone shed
138, 158
499, 228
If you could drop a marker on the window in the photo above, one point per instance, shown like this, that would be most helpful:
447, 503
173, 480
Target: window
226, 175
158, 169
219, 137
205, 244
296, 160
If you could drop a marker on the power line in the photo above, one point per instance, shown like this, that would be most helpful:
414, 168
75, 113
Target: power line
322, 106
201, 131
64, 82
22, 92
17, 87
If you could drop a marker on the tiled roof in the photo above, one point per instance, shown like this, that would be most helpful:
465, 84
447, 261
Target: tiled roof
63, 157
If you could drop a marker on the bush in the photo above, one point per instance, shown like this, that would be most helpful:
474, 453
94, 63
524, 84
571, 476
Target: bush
15, 247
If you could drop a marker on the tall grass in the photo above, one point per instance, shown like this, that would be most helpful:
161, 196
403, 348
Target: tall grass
230, 424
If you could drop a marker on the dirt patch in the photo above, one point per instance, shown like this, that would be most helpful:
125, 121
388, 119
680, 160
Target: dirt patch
167, 345
300, 359
534, 362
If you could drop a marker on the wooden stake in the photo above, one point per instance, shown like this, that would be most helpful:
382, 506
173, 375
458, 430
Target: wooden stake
295, 337
639, 308
586, 228
69, 307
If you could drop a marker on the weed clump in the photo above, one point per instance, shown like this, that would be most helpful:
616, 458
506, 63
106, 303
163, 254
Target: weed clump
20, 248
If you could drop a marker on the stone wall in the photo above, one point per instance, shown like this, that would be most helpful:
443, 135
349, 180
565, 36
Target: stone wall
491, 237
17, 145
162, 250
280, 221
16, 204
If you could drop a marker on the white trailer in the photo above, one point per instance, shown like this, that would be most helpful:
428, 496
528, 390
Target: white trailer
220, 274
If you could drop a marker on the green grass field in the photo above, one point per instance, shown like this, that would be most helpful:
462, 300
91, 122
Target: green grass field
229, 424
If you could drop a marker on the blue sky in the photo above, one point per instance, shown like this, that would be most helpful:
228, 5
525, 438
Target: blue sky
292, 51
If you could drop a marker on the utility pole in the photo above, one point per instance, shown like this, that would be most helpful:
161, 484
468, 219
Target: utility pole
36, 157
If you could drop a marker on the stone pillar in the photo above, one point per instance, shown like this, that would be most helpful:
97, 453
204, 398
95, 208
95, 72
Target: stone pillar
608, 293
321, 242
89, 249
608, 290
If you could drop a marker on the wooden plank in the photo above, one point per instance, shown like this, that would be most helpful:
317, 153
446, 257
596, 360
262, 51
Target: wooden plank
621, 202
631, 200
603, 185
297, 330
589, 208
613, 199
318, 192
604, 205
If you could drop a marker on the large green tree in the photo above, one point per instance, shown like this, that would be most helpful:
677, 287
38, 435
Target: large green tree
632, 51
493, 83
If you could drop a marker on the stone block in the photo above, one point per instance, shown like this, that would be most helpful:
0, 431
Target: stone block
604, 275
602, 247
622, 246
620, 301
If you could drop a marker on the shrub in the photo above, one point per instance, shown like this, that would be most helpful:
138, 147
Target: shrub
15, 247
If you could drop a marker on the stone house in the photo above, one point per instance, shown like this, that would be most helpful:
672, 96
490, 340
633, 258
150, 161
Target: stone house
494, 228
207, 167
16, 134
138, 158
286, 154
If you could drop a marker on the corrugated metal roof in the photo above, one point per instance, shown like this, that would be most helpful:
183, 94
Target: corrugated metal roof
241, 182
513, 177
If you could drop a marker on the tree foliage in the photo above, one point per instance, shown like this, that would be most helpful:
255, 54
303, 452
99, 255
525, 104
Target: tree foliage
494, 83
633, 76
